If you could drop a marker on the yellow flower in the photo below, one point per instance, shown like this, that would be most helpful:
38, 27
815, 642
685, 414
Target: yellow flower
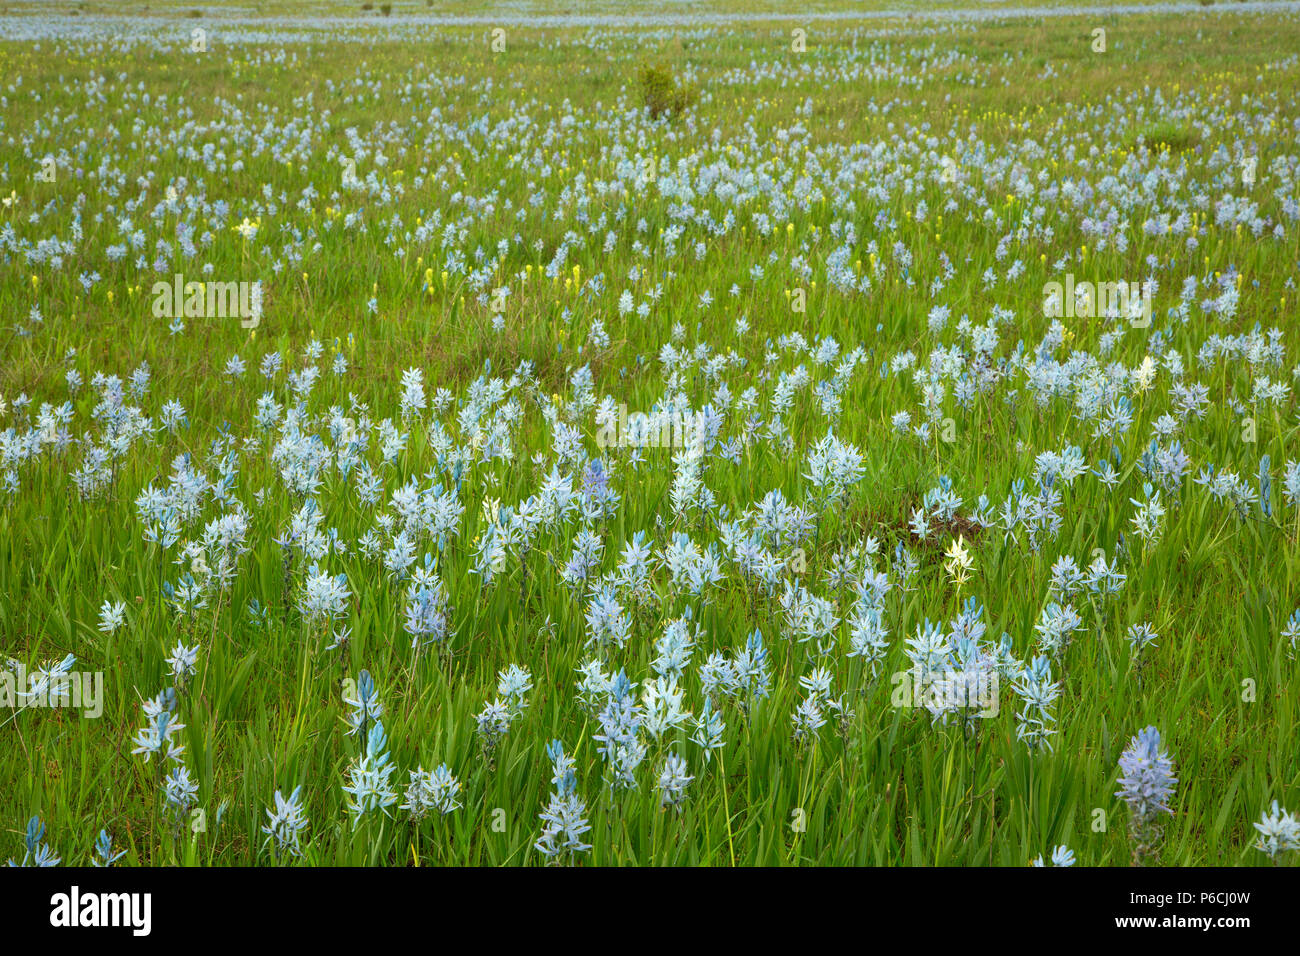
959, 561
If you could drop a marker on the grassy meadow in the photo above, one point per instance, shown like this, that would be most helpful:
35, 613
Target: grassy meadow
683, 385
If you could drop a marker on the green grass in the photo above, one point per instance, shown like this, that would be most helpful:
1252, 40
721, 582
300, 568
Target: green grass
1163, 137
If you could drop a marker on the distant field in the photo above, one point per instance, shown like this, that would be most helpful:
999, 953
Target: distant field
841, 433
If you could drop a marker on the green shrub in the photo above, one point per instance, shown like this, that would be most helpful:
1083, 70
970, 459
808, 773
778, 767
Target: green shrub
662, 93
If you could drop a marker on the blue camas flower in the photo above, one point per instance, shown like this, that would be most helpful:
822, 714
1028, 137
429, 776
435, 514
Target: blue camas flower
369, 788
673, 779
366, 708
1061, 856
285, 824
38, 853
564, 818
1147, 781
431, 790
1279, 832
1146, 784
104, 850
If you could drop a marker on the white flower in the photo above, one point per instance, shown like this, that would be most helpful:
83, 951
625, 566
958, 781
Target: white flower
1144, 374
112, 616
182, 660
